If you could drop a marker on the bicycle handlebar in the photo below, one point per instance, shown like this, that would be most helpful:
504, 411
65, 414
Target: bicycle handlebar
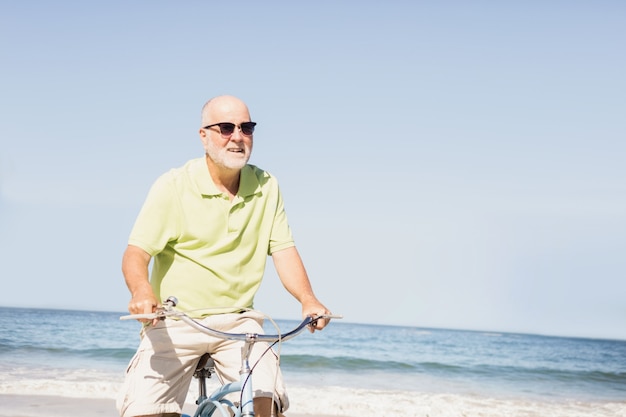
167, 310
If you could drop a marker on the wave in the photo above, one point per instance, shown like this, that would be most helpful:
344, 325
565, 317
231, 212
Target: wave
548, 374
522, 377
340, 364
65, 352
510, 374
312, 362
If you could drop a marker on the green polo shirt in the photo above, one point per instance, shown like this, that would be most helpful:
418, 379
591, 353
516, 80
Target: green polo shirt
207, 251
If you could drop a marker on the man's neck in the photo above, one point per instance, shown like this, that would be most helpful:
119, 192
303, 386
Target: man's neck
226, 180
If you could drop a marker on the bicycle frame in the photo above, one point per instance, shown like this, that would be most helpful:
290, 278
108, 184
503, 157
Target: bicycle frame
216, 400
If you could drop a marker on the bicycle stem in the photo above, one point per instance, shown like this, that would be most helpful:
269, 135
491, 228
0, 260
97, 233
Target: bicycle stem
247, 404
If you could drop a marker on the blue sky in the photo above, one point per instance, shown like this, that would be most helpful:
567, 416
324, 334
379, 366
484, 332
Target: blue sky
444, 164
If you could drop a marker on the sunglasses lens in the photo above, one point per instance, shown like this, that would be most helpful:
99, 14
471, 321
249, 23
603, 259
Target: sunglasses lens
247, 128
227, 129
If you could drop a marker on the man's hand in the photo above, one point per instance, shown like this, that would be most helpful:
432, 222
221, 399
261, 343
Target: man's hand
315, 309
144, 302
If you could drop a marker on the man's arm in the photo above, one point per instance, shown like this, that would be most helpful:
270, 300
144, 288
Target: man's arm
135, 269
292, 274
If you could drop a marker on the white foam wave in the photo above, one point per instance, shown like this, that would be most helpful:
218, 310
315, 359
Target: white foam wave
369, 403
335, 401
70, 383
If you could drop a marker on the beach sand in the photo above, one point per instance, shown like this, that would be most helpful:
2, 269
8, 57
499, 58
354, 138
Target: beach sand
369, 404
56, 406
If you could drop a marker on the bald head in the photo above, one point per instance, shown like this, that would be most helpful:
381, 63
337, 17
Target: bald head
224, 109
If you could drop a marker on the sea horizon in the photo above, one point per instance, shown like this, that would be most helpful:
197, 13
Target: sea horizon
346, 320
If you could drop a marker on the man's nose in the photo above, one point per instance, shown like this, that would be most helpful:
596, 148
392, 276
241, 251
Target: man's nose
237, 135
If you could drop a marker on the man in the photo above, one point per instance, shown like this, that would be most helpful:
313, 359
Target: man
208, 227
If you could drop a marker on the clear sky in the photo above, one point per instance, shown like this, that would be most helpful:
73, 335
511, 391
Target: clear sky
444, 164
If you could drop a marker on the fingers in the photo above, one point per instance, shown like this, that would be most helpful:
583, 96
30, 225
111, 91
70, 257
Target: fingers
143, 305
319, 322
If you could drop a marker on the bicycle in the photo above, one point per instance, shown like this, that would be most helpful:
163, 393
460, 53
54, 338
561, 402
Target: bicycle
217, 401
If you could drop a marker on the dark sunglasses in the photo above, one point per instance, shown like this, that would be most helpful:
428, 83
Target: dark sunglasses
227, 128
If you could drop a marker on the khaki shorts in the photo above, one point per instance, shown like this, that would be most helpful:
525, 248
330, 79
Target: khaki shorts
158, 376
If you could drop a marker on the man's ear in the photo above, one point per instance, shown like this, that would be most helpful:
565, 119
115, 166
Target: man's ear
204, 137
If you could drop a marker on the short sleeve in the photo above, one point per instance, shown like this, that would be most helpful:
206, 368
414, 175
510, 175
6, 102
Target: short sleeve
157, 223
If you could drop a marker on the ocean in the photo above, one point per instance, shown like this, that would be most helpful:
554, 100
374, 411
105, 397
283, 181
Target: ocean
346, 370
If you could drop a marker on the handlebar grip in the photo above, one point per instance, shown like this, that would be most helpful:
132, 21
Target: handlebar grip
329, 316
147, 316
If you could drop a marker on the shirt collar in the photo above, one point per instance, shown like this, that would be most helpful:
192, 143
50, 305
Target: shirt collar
248, 182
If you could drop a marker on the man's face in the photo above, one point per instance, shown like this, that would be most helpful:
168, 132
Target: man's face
228, 151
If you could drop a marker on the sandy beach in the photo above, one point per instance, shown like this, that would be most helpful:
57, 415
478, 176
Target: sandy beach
56, 406
14, 405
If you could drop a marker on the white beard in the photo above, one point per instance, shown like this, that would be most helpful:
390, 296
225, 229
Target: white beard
225, 158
